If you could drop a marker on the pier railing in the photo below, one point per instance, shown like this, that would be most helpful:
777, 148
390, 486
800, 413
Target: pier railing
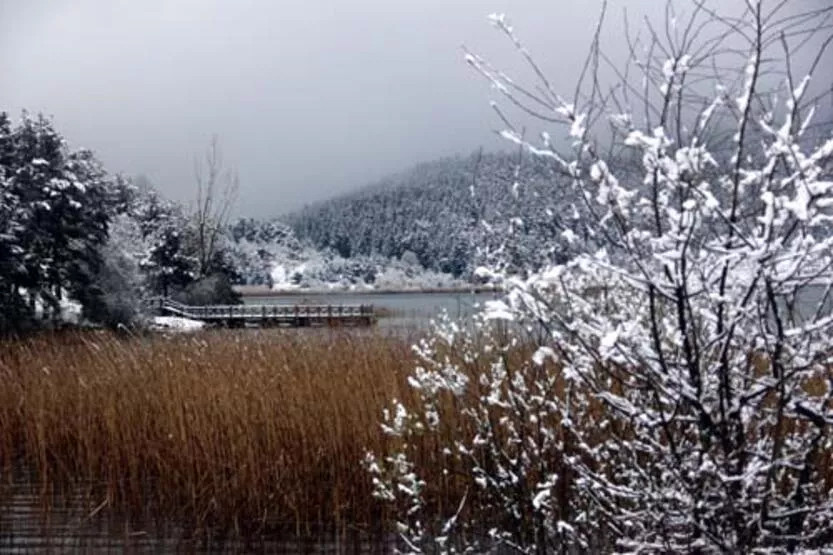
299, 314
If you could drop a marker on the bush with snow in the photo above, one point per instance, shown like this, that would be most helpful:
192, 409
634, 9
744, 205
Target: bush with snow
687, 401
119, 283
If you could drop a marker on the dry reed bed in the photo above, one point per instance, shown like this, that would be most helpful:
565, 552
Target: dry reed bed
247, 433
242, 431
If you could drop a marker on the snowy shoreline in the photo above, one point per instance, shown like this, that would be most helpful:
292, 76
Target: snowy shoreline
174, 324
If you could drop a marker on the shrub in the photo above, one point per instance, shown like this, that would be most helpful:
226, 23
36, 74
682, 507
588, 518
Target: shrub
687, 402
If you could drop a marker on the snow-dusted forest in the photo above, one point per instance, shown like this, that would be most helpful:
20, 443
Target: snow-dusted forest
79, 244
86, 245
454, 215
432, 225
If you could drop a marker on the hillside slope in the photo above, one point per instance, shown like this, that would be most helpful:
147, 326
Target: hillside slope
453, 215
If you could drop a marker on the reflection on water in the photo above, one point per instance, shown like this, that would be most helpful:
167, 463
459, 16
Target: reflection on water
78, 526
27, 526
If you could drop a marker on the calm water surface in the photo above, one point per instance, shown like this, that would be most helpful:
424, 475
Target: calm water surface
397, 309
81, 525
417, 309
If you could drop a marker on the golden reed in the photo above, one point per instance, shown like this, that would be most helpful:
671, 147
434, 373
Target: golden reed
239, 431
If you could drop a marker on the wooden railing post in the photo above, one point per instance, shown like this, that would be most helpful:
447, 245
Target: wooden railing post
305, 314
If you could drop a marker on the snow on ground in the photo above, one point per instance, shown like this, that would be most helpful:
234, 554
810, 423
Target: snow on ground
175, 324
396, 277
342, 274
71, 310
286, 264
281, 277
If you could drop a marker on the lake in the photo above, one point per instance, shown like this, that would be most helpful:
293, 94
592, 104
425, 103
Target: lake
396, 310
416, 309
77, 525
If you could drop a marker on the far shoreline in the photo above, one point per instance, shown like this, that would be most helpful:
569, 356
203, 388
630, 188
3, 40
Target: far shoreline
260, 291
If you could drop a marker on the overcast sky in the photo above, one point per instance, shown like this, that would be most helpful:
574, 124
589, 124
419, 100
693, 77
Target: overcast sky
309, 98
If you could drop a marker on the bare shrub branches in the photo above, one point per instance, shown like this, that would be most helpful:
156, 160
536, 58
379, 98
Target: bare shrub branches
217, 188
698, 315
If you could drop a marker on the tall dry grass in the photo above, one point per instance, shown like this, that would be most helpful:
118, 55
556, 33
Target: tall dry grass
243, 432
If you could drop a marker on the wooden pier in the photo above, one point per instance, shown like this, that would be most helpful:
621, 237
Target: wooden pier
268, 315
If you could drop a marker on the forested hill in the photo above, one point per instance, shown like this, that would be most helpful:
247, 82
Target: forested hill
453, 214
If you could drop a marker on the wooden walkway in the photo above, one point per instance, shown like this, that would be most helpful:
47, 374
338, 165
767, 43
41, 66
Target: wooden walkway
269, 315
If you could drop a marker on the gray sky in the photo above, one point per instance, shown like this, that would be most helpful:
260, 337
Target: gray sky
309, 98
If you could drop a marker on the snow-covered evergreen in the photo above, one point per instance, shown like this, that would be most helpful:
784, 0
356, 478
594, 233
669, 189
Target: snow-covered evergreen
54, 211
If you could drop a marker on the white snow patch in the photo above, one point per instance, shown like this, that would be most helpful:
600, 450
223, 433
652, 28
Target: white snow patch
175, 323
498, 310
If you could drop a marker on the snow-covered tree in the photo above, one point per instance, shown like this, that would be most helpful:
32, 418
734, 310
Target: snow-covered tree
679, 394
120, 285
13, 275
156, 233
55, 207
168, 262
